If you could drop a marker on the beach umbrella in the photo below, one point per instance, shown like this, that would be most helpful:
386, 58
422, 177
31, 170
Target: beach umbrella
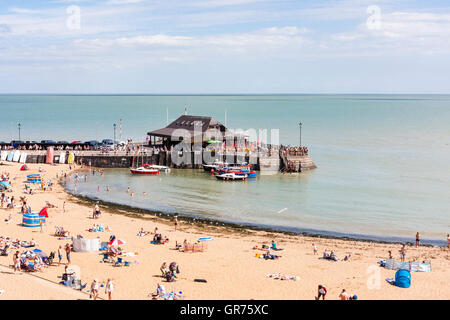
44, 212
116, 242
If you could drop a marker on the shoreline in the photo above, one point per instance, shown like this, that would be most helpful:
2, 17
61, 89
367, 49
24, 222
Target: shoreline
230, 265
198, 221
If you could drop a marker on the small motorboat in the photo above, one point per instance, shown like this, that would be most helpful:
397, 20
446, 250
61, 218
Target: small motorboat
231, 176
248, 173
213, 167
144, 170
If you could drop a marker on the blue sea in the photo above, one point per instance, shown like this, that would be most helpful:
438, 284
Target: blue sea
383, 160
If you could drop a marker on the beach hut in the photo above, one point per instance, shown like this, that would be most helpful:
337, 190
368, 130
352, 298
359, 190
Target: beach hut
32, 220
86, 245
23, 157
71, 158
402, 278
3, 155
10, 156
16, 156
62, 158
50, 155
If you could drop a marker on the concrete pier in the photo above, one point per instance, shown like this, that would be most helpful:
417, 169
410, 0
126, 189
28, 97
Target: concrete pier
121, 159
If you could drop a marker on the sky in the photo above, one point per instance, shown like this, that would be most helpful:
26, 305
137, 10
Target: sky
224, 46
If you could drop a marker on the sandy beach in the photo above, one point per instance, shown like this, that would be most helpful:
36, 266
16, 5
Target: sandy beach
229, 265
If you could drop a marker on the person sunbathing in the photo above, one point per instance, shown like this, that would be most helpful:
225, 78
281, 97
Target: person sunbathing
333, 256
142, 233
270, 256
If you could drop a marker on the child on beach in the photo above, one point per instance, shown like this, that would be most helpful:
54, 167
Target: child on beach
321, 292
403, 253
315, 249
16, 262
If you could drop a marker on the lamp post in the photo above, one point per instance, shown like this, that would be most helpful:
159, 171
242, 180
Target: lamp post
300, 126
18, 126
114, 125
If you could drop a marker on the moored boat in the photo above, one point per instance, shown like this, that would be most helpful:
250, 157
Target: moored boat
144, 170
156, 167
215, 166
231, 176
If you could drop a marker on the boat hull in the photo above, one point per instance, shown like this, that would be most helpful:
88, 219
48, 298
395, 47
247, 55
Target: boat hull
144, 171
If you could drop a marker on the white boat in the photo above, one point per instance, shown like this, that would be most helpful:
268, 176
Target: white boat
159, 168
231, 176
213, 167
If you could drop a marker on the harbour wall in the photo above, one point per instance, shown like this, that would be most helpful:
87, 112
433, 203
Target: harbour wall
187, 160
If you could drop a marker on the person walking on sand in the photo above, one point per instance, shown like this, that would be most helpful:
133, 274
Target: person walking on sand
16, 262
109, 288
94, 289
175, 222
64, 207
403, 253
60, 254
417, 239
448, 241
40, 224
68, 253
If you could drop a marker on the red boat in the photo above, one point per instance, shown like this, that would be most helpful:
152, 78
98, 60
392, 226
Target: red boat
144, 170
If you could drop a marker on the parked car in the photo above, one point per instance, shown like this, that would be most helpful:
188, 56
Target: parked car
48, 142
77, 142
17, 142
94, 144
63, 142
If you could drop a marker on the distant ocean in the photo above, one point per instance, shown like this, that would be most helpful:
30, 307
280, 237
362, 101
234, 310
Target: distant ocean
383, 160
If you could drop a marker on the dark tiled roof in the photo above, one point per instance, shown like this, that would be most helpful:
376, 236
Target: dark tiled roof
188, 123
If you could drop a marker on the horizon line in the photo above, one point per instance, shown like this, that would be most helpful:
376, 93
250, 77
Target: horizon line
217, 94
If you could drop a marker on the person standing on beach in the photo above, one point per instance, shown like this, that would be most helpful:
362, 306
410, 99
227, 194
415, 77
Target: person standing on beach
40, 224
175, 222
94, 289
68, 253
417, 239
403, 253
60, 254
448, 241
109, 288
16, 262
314, 248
